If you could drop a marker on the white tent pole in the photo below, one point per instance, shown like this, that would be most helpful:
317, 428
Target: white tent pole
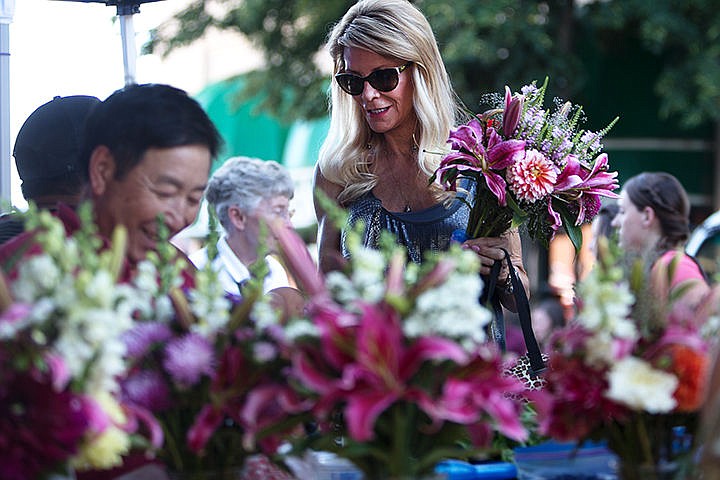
6, 15
127, 32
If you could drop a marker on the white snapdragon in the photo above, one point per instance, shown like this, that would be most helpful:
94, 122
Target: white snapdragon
607, 306
368, 274
100, 289
341, 288
36, 276
301, 328
633, 382
210, 307
264, 315
599, 349
451, 310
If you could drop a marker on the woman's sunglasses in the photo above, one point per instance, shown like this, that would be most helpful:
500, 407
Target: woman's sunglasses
383, 80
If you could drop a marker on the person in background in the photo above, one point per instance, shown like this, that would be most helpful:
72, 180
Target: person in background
602, 226
245, 193
47, 150
392, 110
548, 315
653, 225
146, 155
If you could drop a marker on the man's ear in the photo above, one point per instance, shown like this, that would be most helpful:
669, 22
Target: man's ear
237, 217
101, 169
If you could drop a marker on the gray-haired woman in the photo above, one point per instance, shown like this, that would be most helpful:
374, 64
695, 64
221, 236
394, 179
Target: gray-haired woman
245, 193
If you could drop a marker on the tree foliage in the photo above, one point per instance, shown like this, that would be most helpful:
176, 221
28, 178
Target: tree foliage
485, 45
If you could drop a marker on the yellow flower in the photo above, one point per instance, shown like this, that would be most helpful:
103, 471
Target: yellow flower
105, 450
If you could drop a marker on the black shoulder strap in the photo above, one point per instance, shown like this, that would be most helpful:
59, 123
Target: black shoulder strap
523, 307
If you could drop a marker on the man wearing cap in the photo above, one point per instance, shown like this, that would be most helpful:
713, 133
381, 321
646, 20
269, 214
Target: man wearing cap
146, 154
47, 151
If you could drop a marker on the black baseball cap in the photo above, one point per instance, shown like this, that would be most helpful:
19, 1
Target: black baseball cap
49, 142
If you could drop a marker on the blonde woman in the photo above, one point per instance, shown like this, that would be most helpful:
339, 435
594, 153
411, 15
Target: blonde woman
392, 110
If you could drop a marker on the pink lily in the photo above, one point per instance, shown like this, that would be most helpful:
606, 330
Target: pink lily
298, 259
513, 109
575, 182
134, 413
206, 422
381, 371
470, 154
435, 277
59, 371
480, 388
265, 406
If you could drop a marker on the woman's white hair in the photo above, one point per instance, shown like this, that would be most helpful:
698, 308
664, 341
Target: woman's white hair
244, 182
398, 30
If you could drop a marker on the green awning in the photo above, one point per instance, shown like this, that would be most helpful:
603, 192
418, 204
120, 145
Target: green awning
244, 130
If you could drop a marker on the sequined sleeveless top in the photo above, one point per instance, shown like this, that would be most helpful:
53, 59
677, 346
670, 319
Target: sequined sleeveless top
427, 230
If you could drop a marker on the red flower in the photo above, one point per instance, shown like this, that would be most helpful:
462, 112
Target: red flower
690, 366
39, 427
580, 405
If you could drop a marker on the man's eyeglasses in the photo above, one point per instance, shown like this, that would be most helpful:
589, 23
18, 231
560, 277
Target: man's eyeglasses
384, 80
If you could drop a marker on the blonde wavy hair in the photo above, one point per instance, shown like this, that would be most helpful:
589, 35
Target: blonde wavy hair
394, 29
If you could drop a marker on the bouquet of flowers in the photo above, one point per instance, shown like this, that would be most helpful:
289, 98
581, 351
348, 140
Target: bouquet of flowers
395, 360
207, 373
61, 319
630, 369
529, 166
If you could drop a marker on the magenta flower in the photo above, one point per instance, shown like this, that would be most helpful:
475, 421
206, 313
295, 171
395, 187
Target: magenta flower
15, 313
39, 427
578, 184
267, 405
511, 114
59, 371
298, 259
480, 389
380, 372
188, 358
486, 153
147, 389
206, 422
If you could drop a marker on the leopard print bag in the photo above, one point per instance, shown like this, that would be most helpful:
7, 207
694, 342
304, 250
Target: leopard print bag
529, 367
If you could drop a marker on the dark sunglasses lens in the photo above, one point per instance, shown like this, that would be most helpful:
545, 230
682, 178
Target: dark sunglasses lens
352, 84
384, 80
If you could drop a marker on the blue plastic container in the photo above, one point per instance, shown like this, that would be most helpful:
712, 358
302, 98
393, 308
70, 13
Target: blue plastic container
556, 461
459, 470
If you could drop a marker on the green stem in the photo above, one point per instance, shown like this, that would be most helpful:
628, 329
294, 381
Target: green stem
645, 441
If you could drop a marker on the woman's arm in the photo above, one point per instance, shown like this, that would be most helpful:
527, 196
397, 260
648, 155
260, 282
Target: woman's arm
328, 236
489, 249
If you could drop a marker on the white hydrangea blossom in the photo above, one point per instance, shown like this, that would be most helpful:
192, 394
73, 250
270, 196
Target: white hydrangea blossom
633, 382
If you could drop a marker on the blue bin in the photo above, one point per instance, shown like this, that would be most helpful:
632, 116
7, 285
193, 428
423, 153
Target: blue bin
459, 470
